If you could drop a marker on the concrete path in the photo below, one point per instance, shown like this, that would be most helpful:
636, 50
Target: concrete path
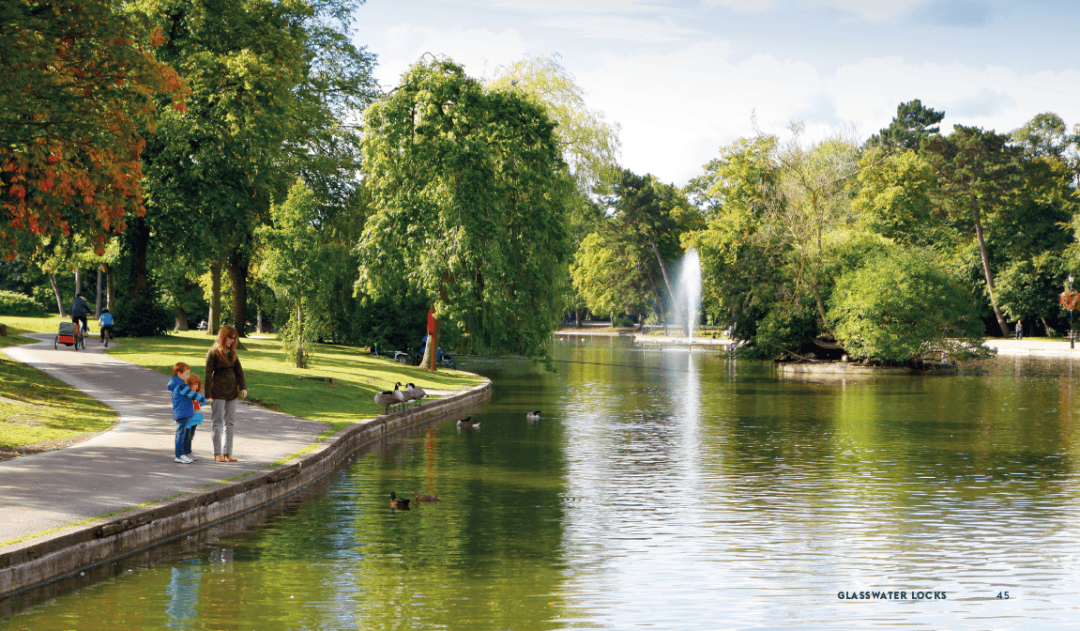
132, 463
1034, 347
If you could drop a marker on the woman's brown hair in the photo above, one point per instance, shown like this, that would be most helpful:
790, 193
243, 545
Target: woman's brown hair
225, 333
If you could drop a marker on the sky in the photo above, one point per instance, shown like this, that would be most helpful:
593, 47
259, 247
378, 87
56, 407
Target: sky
684, 78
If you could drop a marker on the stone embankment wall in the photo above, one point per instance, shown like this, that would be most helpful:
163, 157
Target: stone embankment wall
50, 557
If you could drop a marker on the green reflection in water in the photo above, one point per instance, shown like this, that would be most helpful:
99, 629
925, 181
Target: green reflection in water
660, 489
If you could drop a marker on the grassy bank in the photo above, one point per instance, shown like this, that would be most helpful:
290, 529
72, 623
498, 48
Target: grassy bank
276, 384
38, 412
41, 412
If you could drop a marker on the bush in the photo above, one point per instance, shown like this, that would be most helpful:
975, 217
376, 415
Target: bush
140, 319
898, 306
16, 304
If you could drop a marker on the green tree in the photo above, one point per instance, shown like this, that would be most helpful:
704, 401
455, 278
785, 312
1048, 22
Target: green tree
1044, 136
294, 260
639, 238
273, 84
979, 172
468, 200
913, 123
900, 306
894, 198
610, 275
589, 143
80, 87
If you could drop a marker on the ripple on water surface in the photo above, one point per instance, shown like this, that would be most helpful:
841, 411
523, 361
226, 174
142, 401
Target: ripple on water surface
659, 490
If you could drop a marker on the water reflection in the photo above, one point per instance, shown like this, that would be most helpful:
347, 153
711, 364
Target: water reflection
661, 489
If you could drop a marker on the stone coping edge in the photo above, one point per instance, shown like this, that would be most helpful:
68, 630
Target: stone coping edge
839, 368
51, 557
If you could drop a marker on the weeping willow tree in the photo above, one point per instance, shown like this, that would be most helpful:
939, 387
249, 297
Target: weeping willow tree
469, 193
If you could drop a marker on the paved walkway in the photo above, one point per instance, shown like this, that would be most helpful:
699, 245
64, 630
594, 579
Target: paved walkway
1034, 347
131, 464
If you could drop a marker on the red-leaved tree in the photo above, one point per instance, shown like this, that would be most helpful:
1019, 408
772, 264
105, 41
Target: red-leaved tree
78, 80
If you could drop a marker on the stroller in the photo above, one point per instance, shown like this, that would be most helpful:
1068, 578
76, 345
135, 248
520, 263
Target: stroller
70, 334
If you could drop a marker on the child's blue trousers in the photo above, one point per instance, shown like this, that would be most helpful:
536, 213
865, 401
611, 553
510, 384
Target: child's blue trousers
184, 434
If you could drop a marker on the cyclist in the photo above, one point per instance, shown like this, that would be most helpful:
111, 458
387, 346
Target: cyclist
106, 323
78, 312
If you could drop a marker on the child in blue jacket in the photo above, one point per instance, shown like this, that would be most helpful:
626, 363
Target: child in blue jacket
183, 411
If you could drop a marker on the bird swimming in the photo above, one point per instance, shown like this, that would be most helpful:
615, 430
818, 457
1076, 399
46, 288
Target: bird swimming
395, 502
468, 423
533, 416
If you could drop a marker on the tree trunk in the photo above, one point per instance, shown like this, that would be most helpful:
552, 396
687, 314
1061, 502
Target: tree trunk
138, 235
110, 288
300, 361
660, 305
259, 320
431, 349
663, 268
986, 269
56, 291
78, 282
97, 300
820, 307
238, 269
181, 320
215, 299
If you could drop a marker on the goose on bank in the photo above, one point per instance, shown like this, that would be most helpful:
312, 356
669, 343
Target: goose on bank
414, 393
388, 398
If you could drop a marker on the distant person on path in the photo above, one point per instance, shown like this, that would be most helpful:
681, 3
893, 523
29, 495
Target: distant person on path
105, 323
78, 312
224, 383
183, 411
1019, 330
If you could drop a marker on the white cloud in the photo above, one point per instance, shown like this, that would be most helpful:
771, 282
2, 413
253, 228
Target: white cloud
992, 97
577, 6
623, 29
474, 49
677, 109
866, 9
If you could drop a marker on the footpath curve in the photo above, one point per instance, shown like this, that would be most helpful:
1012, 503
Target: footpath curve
120, 491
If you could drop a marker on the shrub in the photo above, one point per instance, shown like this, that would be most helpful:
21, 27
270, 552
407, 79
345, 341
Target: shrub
16, 304
140, 319
897, 307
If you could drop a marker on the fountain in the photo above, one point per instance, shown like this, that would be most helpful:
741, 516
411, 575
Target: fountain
687, 297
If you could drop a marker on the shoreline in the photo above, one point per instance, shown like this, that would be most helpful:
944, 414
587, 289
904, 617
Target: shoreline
116, 494
49, 557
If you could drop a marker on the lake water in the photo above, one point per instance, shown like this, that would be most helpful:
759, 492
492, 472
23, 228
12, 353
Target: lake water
660, 490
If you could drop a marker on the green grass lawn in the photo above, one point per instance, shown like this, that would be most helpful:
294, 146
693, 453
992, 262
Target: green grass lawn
43, 406
36, 409
276, 384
